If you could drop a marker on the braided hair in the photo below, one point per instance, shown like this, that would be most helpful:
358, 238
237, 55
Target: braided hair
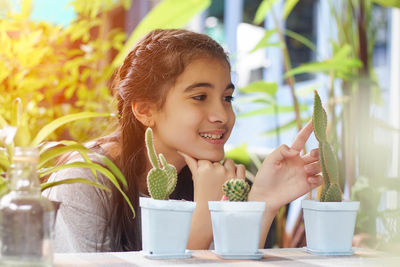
147, 73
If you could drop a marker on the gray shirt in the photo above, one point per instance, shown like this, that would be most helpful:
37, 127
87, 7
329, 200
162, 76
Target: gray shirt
83, 216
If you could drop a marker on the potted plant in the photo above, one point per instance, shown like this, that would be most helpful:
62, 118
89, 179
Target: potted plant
236, 223
330, 222
165, 222
17, 133
27, 217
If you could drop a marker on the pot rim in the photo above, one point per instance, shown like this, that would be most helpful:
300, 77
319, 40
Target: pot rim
170, 204
244, 206
331, 206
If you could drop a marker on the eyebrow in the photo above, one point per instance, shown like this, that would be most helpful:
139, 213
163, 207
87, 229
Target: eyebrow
195, 85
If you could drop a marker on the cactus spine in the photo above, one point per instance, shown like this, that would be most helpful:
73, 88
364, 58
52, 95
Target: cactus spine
236, 189
331, 190
161, 181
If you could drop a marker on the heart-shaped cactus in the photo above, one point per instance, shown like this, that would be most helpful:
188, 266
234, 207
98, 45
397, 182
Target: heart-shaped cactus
161, 180
236, 189
331, 191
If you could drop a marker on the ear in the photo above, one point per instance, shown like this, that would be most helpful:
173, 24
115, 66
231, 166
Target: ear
144, 112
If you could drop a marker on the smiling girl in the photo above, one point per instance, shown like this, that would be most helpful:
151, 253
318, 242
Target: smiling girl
178, 83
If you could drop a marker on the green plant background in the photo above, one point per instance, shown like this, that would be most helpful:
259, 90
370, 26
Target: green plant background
363, 162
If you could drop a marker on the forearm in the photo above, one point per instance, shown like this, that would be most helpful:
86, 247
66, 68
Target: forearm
268, 216
200, 235
267, 219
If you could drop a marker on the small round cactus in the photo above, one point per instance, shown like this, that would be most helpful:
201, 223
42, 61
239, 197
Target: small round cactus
236, 189
161, 181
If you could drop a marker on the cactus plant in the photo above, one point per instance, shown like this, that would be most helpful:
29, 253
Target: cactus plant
161, 180
331, 190
236, 189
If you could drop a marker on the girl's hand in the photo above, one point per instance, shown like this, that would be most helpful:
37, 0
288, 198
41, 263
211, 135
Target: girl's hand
285, 175
208, 177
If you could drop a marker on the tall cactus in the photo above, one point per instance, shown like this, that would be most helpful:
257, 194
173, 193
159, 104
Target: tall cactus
236, 189
331, 191
161, 181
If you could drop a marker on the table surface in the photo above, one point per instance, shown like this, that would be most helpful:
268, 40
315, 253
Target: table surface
271, 257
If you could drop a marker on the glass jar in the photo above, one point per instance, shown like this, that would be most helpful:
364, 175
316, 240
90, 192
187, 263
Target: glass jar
26, 217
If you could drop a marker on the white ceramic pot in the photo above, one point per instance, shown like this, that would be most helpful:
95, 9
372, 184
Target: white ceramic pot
165, 227
330, 226
236, 227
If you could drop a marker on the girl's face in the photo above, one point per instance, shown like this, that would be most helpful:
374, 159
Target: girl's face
197, 117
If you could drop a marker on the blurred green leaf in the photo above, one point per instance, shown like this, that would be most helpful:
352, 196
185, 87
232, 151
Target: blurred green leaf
288, 7
301, 39
56, 152
388, 3
4, 160
239, 154
269, 88
264, 41
45, 146
339, 64
115, 170
92, 166
51, 150
263, 9
49, 128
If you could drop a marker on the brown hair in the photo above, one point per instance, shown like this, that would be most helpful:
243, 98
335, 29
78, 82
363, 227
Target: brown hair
148, 71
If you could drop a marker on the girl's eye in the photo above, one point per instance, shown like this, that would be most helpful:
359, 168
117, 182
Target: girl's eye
229, 98
199, 97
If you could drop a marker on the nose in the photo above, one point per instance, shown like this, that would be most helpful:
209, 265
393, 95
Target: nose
218, 113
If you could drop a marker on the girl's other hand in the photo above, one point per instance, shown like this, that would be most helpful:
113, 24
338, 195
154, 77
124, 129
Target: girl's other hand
285, 175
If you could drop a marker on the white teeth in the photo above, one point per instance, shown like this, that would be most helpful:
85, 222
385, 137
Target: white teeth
211, 136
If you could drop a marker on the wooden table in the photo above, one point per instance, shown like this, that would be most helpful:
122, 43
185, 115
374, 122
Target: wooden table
272, 257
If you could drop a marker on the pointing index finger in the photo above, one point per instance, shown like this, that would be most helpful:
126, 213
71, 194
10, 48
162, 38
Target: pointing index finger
302, 137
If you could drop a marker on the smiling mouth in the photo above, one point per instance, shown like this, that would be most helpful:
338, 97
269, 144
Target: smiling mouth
212, 136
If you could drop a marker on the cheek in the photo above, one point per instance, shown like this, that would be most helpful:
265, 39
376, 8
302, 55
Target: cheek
191, 118
232, 120
183, 126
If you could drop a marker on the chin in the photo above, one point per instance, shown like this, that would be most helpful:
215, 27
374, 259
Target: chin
215, 157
